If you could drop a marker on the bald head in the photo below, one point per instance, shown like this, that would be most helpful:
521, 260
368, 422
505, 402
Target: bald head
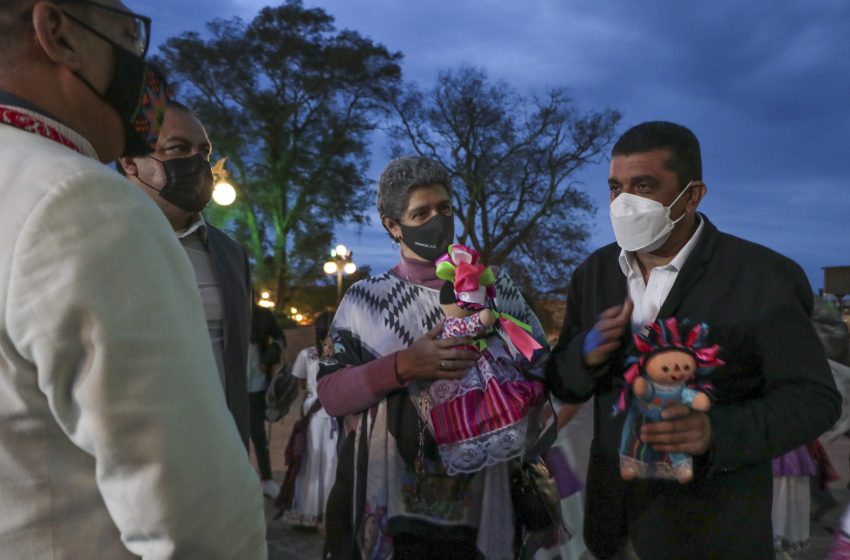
62, 56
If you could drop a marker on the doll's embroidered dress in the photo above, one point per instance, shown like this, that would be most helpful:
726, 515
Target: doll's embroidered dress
482, 418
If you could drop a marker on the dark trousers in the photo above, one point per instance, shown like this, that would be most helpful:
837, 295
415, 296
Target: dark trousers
257, 423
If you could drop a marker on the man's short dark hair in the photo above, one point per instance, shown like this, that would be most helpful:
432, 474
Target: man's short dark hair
685, 159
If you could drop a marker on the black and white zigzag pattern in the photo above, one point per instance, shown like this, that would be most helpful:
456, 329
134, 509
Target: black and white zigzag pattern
388, 313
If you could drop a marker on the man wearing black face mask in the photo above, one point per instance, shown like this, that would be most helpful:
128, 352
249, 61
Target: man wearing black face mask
106, 412
177, 177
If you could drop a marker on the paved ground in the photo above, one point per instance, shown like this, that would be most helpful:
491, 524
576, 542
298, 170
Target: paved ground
286, 543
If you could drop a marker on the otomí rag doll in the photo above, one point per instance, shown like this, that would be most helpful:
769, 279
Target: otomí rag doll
672, 366
482, 418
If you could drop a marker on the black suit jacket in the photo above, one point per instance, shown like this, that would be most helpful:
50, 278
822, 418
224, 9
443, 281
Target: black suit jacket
230, 265
774, 393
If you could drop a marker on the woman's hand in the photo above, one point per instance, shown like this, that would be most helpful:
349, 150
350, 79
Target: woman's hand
432, 358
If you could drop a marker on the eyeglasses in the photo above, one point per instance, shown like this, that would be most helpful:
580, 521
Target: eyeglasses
141, 34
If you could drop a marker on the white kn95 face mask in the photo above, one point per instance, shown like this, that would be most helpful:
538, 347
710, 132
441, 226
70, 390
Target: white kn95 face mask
641, 224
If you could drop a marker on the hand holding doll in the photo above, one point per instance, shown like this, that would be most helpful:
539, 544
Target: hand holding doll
482, 418
670, 370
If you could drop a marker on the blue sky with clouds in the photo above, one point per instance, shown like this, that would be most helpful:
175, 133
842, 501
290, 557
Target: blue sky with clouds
764, 85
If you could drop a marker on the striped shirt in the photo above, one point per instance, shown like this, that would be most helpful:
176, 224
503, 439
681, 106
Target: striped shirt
194, 241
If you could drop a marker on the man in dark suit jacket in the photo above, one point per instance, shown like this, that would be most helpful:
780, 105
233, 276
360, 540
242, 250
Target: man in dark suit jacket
774, 393
178, 179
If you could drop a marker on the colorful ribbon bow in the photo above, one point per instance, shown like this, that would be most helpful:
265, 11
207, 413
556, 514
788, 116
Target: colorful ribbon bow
473, 282
518, 336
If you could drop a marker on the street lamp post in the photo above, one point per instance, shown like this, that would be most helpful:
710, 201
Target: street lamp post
340, 264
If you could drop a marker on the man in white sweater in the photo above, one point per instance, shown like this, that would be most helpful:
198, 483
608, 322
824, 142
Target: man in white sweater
113, 443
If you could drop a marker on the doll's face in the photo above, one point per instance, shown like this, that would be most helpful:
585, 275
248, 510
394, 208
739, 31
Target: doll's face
671, 367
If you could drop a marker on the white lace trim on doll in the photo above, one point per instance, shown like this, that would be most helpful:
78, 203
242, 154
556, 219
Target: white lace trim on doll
488, 449
487, 368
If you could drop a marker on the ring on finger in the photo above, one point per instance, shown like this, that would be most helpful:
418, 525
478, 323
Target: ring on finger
442, 364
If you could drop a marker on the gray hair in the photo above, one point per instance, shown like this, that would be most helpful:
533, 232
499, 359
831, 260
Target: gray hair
403, 175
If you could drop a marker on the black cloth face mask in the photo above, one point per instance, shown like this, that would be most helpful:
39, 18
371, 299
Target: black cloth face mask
432, 239
188, 183
131, 80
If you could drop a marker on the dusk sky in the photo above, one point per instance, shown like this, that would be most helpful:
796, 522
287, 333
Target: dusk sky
764, 85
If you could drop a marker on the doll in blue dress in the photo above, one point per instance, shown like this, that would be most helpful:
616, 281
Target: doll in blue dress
670, 368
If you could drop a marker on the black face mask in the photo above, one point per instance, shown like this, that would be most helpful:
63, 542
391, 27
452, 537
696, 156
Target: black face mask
126, 91
432, 239
188, 183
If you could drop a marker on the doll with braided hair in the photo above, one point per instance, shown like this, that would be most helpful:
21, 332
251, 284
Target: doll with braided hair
672, 365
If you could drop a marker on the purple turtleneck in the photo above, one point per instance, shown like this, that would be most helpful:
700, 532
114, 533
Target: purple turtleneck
419, 272
355, 388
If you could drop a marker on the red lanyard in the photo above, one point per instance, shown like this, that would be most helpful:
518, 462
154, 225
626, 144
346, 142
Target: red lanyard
30, 123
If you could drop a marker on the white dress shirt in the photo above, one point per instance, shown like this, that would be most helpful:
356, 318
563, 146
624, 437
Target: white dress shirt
648, 296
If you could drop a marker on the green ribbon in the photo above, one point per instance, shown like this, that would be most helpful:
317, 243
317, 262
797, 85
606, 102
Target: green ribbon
517, 322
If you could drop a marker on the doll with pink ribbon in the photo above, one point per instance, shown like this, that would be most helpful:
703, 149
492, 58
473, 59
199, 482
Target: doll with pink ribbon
482, 418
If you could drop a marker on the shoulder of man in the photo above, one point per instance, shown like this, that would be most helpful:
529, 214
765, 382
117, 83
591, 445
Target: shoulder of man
603, 261
217, 236
756, 255
778, 275
86, 187
36, 167
604, 253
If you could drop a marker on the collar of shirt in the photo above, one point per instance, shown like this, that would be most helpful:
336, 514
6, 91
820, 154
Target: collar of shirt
198, 224
649, 296
630, 266
36, 112
7, 98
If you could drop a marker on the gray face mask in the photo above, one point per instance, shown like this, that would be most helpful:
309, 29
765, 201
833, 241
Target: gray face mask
432, 239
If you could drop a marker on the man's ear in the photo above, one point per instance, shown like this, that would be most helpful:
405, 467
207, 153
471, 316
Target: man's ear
392, 227
697, 193
129, 166
56, 36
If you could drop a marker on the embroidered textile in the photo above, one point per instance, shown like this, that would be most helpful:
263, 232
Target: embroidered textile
36, 124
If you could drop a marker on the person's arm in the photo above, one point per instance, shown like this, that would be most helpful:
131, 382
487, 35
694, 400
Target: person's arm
799, 399
356, 388
353, 379
299, 367
273, 330
568, 376
103, 303
349, 389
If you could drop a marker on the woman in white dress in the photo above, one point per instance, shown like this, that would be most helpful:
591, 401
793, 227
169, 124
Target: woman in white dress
318, 465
